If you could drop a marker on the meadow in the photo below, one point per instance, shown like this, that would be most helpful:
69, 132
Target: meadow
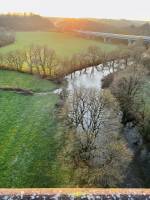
29, 133
25, 81
64, 44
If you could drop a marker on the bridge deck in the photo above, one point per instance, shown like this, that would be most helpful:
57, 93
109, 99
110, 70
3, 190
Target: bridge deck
116, 36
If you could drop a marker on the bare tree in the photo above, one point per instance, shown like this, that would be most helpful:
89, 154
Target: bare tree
1, 60
15, 60
65, 67
30, 58
42, 58
95, 150
137, 50
51, 59
126, 88
87, 108
125, 54
79, 61
143, 118
95, 55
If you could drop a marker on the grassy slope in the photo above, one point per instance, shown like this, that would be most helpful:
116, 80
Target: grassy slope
63, 43
29, 136
26, 81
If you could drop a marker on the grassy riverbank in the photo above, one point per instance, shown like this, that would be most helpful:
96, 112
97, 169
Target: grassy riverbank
29, 134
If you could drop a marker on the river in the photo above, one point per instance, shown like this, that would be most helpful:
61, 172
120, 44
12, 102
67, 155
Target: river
89, 78
92, 78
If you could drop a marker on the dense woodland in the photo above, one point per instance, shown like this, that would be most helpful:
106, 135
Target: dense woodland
26, 22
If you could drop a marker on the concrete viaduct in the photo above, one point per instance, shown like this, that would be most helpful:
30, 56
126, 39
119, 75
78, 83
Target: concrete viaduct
110, 36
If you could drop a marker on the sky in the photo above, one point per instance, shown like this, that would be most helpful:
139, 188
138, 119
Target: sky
115, 9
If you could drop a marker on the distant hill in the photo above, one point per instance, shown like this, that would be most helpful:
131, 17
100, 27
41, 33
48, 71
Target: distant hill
141, 30
26, 22
33, 22
81, 24
104, 25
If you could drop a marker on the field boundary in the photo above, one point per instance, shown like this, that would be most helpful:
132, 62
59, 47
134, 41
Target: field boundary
17, 90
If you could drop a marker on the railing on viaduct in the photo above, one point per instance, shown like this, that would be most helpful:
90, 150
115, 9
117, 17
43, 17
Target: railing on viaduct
75, 194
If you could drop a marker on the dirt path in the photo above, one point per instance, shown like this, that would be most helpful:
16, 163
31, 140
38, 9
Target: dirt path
30, 92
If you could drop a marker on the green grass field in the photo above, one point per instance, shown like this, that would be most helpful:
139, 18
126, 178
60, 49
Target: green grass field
29, 134
25, 81
64, 44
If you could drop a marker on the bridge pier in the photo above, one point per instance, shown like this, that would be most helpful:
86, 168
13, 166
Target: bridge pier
105, 39
109, 40
129, 42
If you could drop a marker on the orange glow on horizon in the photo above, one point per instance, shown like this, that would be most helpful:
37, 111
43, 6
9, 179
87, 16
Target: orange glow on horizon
110, 9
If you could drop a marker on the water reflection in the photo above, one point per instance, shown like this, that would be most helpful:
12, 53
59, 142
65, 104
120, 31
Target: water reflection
89, 78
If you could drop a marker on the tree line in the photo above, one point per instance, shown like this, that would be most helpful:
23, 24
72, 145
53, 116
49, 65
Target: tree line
43, 61
26, 22
35, 60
